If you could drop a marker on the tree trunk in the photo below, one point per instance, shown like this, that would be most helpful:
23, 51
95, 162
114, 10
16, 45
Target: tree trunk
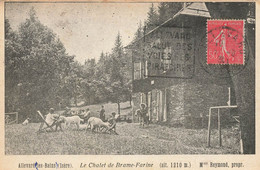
244, 84
118, 107
130, 100
245, 95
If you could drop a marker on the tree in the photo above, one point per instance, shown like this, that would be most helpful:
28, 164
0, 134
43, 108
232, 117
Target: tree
152, 19
118, 81
41, 64
167, 10
244, 82
162, 10
174, 8
73, 82
89, 68
116, 78
13, 51
139, 32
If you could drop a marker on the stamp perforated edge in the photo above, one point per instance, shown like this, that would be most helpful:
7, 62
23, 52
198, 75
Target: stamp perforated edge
244, 22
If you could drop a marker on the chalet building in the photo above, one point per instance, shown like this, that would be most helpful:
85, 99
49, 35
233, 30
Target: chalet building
170, 70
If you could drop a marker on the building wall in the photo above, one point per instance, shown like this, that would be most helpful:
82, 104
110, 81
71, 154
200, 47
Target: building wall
193, 96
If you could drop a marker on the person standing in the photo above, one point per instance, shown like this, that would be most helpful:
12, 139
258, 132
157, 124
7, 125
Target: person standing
143, 114
102, 113
86, 115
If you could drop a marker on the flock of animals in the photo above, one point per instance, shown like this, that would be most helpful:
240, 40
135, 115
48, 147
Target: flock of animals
93, 123
83, 118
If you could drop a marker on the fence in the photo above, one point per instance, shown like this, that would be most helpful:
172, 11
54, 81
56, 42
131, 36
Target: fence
11, 118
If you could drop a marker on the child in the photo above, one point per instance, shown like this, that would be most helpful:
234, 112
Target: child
112, 122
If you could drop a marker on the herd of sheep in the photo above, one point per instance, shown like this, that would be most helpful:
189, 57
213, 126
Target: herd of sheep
93, 123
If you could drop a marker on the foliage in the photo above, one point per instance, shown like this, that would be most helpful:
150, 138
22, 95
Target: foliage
110, 77
139, 32
152, 19
36, 67
40, 74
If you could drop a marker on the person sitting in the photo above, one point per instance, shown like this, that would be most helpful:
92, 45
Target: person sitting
50, 119
112, 122
67, 112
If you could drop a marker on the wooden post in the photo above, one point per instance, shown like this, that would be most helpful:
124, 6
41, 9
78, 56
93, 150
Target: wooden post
229, 97
16, 117
133, 77
209, 128
133, 114
219, 129
151, 105
157, 104
165, 106
161, 106
241, 144
148, 103
146, 99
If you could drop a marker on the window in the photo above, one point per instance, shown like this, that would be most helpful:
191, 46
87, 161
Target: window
137, 70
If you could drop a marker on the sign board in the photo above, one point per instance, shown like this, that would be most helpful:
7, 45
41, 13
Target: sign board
169, 52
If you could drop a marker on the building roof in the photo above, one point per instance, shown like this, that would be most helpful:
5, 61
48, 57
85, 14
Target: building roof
196, 9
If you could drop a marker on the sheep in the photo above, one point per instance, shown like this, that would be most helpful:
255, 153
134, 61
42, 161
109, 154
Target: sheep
83, 127
26, 121
71, 120
95, 122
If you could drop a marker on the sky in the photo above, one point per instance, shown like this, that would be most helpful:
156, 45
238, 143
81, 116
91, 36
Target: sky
85, 29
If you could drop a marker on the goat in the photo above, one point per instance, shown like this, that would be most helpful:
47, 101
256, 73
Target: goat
71, 120
95, 122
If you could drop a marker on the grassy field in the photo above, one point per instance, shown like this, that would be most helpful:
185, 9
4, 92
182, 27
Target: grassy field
132, 139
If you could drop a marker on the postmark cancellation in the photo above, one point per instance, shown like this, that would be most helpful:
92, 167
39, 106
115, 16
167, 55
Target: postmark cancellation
225, 42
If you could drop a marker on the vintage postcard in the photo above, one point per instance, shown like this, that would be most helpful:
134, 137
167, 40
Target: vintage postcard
129, 85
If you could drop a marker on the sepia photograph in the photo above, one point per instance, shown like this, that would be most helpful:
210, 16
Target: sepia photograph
153, 78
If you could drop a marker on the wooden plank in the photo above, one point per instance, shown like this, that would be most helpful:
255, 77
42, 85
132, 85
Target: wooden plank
11, 122
48, 126
165, 105
161, 106
16, 115
209, 128
157, 104
219, 107
150, 105
219, 128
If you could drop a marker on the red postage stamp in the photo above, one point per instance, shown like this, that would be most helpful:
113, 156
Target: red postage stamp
225, 42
